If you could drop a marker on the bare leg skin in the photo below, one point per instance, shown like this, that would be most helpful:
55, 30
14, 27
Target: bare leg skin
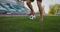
30, 6
40, 10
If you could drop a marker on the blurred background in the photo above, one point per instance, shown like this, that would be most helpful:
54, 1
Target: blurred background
50, 7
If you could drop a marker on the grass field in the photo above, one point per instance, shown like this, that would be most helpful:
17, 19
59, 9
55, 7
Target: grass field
24, 24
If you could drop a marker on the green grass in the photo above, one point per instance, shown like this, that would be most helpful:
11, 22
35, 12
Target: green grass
24, 24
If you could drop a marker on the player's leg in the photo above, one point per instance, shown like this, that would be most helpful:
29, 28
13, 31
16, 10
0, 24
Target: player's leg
40, 9
28, 2
30, 6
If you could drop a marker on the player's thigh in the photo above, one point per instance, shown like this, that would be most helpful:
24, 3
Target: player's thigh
28, 0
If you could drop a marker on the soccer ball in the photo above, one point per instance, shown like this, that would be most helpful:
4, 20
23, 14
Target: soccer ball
32, 17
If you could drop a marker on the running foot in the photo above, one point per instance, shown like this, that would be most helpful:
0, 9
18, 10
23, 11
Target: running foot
41, 18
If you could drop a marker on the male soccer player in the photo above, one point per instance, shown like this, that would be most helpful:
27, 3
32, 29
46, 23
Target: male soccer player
32, 16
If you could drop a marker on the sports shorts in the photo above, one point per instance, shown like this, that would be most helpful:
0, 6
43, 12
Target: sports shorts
37, 0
